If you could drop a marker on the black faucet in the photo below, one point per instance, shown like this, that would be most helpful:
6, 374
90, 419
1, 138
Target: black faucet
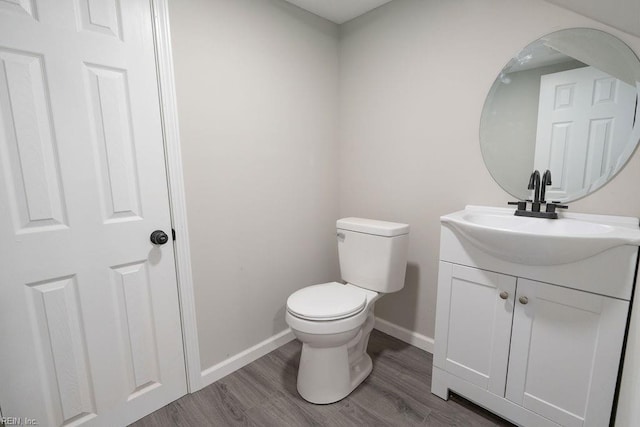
534, 184
546, 180
539, 188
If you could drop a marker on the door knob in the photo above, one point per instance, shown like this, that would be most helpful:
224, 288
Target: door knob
504, 294
159, 237
523, 300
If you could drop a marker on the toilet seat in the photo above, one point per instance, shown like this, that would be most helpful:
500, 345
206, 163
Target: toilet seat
327, 301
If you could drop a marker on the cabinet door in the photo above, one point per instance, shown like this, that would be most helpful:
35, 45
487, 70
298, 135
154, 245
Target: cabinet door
565, 351
473, 325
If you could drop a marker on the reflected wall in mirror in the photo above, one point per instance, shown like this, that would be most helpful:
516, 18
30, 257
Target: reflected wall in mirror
568, 102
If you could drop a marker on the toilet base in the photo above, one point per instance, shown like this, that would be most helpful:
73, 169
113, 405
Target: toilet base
327, 375
360, 371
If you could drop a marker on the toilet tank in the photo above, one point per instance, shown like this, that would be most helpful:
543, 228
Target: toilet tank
373, 254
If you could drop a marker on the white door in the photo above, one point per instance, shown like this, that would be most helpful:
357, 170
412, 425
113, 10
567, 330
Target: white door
473, 325
565, 353
89, 318
585, 117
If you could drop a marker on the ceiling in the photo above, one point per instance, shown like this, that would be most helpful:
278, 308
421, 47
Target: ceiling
338, 11
621, 14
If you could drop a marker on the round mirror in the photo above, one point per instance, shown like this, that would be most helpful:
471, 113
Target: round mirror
567, 103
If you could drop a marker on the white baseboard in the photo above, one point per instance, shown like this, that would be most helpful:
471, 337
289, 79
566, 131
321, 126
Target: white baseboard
418, 340
224, 368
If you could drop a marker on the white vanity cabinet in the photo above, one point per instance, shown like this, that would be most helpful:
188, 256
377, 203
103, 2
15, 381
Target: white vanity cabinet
529, 342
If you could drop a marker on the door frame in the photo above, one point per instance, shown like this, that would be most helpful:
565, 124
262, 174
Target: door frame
175, 182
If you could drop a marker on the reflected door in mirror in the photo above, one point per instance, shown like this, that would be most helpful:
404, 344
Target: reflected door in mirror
584, 116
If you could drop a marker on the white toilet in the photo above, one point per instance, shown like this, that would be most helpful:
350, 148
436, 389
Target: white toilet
333, 320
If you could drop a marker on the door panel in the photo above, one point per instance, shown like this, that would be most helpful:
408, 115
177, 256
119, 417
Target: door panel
563, 351
111, 123
89, 322
100, 16
54, 305
136, 321
477, 325
30, 150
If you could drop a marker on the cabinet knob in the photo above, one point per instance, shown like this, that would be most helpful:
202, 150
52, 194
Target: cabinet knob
504, 294
523, 300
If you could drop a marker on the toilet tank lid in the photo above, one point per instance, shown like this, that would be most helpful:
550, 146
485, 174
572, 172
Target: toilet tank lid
372, 226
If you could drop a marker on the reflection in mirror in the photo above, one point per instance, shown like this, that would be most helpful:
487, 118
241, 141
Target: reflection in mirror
568, 102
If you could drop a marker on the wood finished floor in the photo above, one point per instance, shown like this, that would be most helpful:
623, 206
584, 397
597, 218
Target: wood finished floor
263, 393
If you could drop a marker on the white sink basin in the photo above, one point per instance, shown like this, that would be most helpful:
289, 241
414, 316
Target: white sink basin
539, 241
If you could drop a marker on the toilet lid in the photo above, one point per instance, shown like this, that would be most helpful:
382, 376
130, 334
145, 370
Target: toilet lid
328, 301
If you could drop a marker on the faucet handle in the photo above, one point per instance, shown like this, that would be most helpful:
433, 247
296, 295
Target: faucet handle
551, 207
559, 204
522, 205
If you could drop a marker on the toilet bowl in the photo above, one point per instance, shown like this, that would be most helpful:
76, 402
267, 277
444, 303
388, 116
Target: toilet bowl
333, 361
334, 320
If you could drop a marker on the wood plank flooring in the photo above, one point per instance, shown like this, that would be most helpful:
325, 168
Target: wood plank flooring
263, 393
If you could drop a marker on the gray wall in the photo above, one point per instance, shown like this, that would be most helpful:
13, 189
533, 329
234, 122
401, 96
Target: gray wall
414, 75
257, 85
